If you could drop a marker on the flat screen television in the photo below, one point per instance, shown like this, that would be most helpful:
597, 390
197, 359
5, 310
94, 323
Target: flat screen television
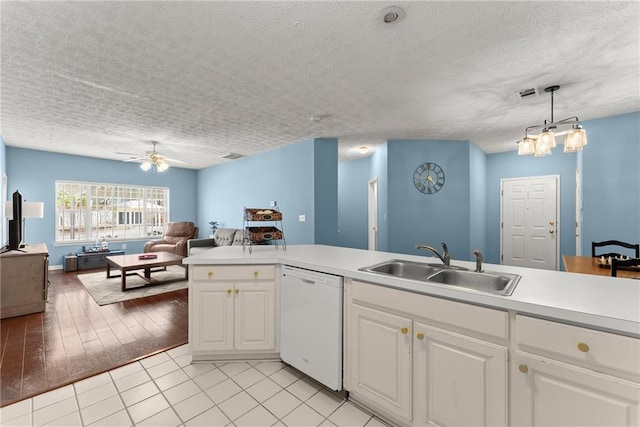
15, 224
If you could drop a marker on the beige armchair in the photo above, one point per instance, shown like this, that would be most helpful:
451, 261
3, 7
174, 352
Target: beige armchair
174, 239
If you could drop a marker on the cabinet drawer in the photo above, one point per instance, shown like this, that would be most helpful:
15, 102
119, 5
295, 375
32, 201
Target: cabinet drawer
482, 320
233, 272
574, 342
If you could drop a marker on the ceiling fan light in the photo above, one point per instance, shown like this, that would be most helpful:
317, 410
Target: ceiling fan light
527, 146
162, 165
146, 165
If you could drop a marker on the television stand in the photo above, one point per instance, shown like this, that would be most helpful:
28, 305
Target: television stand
24, 277
6, 250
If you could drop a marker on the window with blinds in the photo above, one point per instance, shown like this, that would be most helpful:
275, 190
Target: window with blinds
87, 211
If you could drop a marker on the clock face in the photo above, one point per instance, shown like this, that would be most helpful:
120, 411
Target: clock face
428, 178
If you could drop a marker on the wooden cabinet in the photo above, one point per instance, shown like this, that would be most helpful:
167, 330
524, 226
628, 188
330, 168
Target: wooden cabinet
565, 375
233, 311
24, 280
417, 367
381, 363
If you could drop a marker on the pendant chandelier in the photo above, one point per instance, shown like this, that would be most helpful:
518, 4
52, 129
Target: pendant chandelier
541, 144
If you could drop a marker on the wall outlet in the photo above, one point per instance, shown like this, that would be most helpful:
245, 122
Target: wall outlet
273, 204
124, 246
302, 218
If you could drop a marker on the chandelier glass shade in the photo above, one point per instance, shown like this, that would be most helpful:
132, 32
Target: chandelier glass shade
542, 144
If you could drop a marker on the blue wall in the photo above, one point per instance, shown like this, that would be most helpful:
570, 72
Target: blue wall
380, 170
305, 179
325, 168
466, 212
611, 180
288, 176
510, 165
353, 183
477, 199
415, 217
34, 173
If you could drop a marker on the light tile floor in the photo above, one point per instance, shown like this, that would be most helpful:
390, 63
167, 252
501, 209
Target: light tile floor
167, 390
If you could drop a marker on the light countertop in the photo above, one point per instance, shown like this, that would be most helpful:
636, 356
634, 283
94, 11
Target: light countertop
605, 303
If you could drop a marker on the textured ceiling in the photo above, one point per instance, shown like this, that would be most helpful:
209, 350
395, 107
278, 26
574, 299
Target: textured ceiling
208, 78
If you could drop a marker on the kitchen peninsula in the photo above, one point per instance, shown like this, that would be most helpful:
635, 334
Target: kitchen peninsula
418, 353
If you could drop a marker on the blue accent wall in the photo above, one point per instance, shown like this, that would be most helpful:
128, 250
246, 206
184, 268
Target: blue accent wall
325, 179
430, 219
380, 171
306, 179
611, 180
288, 176
34, 173
610, 183
353, 183
510, 165
477, 199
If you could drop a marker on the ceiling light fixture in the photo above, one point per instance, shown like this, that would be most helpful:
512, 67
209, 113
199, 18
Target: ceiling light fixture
154, 159
391, 15
541, 145
363, 149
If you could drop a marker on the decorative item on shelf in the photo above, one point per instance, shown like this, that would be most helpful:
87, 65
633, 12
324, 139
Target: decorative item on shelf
262, 234
148, 256
258, 234
541, 145
213, 225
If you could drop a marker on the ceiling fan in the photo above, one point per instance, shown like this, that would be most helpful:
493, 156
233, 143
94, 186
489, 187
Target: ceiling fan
153, 158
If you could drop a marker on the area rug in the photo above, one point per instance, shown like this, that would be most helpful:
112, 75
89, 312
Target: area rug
107, 291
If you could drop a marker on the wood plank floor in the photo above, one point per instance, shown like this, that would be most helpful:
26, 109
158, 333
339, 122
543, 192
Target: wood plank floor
75, 338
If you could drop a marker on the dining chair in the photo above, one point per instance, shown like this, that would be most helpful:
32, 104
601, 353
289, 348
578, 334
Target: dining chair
629, 262
632, 246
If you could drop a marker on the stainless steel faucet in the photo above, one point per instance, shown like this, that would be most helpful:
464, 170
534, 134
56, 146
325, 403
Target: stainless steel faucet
445, 257
478, 255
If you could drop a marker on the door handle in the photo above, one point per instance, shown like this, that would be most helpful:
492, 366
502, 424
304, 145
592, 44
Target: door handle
552, 222
551, 231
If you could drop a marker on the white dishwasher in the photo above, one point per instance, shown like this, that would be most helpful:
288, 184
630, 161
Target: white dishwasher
311, 324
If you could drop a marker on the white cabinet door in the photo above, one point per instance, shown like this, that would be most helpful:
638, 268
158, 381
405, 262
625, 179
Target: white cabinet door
255, 316
458, 380
549, 393
212, 306
380, 353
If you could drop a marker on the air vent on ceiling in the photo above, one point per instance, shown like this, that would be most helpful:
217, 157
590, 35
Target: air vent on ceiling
232, 156
525, 94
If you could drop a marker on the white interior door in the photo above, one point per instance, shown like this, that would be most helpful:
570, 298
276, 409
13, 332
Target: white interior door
529, 234
373, 214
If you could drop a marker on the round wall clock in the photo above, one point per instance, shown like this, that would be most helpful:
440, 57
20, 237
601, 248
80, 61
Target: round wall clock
428, 178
